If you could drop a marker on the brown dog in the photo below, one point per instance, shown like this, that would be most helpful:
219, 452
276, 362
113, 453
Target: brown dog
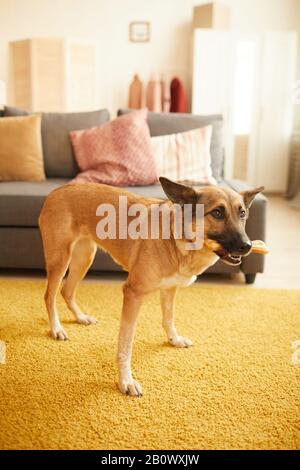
68, 224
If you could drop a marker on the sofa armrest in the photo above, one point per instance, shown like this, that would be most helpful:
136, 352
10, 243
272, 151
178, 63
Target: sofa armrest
256, 227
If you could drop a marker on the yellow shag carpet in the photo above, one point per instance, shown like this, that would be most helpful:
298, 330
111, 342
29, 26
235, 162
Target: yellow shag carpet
235, 389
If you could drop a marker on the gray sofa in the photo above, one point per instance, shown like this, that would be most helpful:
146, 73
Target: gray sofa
21, 202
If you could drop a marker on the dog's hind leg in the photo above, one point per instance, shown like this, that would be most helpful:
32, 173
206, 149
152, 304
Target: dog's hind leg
57, 264
83, 255
167, 300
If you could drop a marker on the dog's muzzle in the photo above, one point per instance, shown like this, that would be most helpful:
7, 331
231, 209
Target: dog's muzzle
227, 258
235, 258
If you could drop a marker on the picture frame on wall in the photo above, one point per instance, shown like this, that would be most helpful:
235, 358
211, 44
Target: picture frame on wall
139, 31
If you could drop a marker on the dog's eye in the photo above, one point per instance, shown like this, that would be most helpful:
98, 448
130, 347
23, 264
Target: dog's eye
218, 214
243, 214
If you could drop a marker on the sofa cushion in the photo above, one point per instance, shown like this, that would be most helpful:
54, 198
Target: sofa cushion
185, 156
174, 123
118, 153
21, 157
21, 202
57, 149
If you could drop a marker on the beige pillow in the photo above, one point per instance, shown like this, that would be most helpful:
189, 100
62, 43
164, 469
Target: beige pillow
185, 156
21, 157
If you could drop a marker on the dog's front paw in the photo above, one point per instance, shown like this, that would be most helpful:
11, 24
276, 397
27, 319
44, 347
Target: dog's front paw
181, 342
130, 387
59, 333
86, 320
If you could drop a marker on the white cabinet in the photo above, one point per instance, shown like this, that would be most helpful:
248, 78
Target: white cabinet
211, 73
275, 124
249, 78
212, 79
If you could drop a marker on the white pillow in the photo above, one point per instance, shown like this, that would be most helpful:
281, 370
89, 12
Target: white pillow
185, 156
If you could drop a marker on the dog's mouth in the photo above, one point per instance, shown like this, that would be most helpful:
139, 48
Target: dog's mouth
229, 258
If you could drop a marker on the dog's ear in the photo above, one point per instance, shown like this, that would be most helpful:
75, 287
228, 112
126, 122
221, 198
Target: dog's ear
250, 194
178, 193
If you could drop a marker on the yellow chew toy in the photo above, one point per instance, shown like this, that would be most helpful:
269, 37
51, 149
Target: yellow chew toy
212, 245
258, 246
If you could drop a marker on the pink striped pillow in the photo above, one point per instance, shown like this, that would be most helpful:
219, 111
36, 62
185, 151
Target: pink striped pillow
118, 153
185, 156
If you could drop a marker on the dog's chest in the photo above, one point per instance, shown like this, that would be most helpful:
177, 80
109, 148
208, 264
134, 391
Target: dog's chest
178, 280
194, 264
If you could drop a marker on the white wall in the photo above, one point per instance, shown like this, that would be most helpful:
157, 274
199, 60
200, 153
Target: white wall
107, 21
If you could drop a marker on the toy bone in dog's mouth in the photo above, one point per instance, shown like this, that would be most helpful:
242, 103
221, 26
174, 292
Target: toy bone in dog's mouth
258, 246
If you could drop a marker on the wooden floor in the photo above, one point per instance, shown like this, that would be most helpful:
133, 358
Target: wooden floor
282, 264
283, 238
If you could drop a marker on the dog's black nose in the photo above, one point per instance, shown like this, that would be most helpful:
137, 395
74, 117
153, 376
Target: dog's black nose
245, 247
